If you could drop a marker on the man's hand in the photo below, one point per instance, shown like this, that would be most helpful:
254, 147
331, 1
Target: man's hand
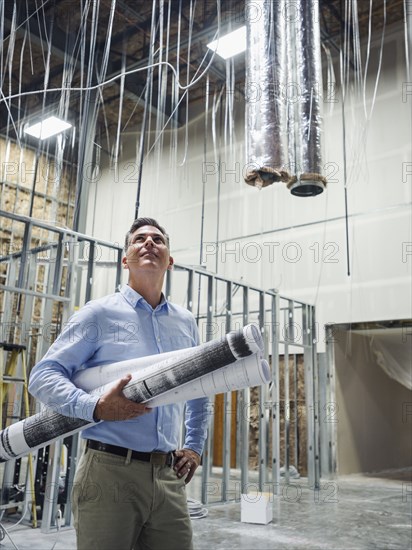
113, 405
187, 463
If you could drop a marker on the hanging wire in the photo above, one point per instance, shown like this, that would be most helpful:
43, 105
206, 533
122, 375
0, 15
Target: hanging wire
115, 156
46, 60
145, 112
356, 47
86, 80
193, 81
114, 78
175, 95
20, 82
191, 18
368, 51
101, 73
159, 118
106, 50
380, 60
39, 26
10, 117
218, 176
89, 108
344, 66
82, 88
27, 32
10, 49
321, 248
407, 13
9, 63
2, 4
172, 113
202, 217
31, 15
163, 87
331, 79
150, 79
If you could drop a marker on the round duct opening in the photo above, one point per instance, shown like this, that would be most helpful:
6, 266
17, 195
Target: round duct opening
307, 188
307, 185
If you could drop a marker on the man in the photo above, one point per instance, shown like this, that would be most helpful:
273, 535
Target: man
129, 489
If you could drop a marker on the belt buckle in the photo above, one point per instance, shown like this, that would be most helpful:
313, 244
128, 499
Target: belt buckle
162, 459
159, 459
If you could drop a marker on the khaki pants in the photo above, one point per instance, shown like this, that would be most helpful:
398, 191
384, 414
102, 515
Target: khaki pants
129, 506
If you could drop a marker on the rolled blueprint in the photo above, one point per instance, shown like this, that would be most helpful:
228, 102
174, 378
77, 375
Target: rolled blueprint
91, 378
243, 373
47, 426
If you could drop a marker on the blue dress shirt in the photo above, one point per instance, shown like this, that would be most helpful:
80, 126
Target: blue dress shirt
111, 329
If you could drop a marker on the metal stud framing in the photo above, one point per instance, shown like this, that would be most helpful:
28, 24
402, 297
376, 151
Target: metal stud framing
44, 277
286, 325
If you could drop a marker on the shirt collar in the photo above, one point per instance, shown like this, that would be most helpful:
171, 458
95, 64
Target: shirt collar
133, 297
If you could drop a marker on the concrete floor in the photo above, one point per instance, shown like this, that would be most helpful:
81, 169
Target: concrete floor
353, 512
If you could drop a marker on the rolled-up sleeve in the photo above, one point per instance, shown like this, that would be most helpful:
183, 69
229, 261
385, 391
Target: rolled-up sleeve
198, 412
197, 422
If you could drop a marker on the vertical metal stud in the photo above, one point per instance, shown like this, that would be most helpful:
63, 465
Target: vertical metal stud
331, 404
244, 412
206, 460
275, 396
90, 269
262, 409
118, 269
227, 403
296, 409
190, 290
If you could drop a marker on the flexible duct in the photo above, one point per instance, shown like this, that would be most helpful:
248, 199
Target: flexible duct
304, 88
265, 81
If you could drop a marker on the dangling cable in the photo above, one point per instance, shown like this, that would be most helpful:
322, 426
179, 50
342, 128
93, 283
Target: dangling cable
368, 51
218, 193
202, 217
343, 76
380, 60
115, 157
175, 93
164, 79
145, 112
407, 14
191, 17
159, 117
2, 40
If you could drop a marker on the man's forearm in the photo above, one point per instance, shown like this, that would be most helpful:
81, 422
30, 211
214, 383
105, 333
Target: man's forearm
49, 385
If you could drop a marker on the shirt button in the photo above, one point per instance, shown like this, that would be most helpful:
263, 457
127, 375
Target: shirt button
158, 339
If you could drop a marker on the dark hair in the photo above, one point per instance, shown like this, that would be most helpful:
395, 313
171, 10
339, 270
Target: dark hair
140, 222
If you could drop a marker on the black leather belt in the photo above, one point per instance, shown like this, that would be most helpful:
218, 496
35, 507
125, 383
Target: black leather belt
161, 459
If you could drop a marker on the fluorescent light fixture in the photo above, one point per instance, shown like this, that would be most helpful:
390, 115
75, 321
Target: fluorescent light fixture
231, 44
47, 128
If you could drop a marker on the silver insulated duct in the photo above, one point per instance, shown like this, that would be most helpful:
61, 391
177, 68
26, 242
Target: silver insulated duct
265, 81
284, 95
304, 85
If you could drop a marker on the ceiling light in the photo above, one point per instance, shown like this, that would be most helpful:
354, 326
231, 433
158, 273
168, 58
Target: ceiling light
47, 128
231, 44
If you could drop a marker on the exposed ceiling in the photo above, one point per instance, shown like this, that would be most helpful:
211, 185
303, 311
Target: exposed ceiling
52, 44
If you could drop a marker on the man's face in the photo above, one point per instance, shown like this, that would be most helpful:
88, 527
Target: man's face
148, 250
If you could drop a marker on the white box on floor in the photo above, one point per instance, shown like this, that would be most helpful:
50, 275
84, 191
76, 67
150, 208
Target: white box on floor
256, 508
